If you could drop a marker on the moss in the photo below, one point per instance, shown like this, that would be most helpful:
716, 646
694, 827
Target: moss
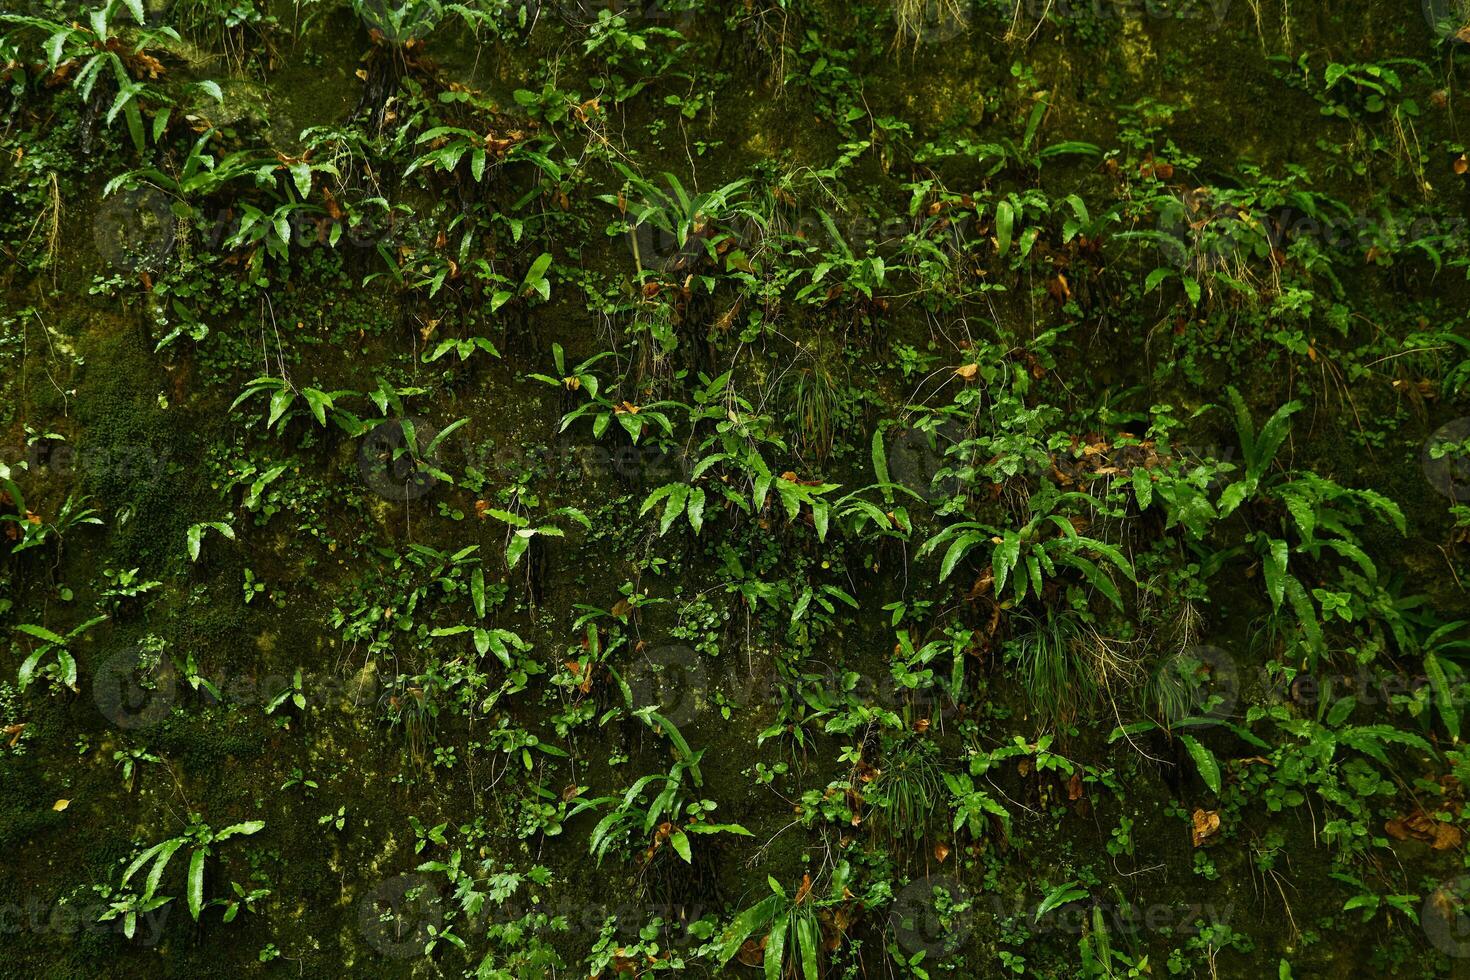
152, 431
24, 813
136, 456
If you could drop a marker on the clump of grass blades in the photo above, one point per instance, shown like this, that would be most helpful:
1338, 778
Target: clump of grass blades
917, 17
814, 397
1045, 651
907, 790
1178, 690
1450, 17
1177, 687
1065, 665
413, 712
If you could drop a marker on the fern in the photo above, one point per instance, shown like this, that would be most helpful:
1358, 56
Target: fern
1258, 449
794, 931
1318, 522
1026, 557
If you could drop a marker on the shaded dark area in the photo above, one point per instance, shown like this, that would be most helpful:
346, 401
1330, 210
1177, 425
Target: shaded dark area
911, 488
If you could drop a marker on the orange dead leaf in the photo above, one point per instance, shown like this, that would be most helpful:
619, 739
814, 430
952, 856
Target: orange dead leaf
1059, 288
1438, 834
752, 952
1206, 825
982, 584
